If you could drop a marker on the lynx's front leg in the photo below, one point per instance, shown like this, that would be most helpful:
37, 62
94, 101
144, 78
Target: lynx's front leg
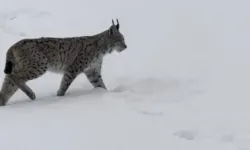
95, 78
67, 79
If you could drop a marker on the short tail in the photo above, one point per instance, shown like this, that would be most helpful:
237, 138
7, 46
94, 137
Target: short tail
8, 67
9, 63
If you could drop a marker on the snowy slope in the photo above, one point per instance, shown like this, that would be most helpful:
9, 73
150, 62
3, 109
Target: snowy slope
182, 84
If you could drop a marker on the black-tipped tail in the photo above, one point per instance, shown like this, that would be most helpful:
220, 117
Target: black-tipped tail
8, 67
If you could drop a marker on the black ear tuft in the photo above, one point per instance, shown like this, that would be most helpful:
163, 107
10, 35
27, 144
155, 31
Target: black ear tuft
117, 25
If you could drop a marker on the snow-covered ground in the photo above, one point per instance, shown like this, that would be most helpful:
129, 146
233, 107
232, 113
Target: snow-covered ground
182, 84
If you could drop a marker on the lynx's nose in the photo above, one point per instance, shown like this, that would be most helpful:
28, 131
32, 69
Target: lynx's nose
125, 46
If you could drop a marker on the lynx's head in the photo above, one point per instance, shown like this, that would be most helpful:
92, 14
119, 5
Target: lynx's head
116, 39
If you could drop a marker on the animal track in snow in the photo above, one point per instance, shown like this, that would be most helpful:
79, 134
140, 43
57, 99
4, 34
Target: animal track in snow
188, 134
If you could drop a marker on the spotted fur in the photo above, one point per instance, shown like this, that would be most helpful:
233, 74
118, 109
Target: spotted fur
29, 59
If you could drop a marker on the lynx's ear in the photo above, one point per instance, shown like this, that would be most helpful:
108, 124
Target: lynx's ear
114, 28
117, 25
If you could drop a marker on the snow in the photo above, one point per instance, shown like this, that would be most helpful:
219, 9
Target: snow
182, 84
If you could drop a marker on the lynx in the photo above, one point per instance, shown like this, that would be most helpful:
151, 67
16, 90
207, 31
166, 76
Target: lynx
29, 59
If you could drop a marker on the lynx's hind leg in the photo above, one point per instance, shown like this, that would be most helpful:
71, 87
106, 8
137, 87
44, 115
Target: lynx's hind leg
21, 84
29, 71
8, 89
28, 67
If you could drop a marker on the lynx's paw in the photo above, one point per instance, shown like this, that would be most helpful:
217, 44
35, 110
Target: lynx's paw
31, 95
60, 93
